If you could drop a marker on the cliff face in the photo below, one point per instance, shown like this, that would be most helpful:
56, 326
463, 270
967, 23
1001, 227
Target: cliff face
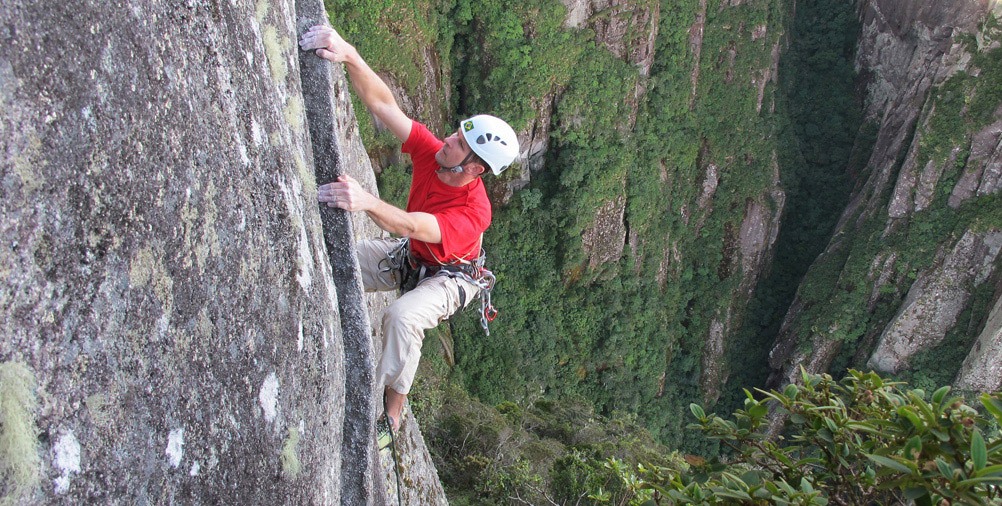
654, 207
168, 286
981, 369
653, 186
180, 318
419, 483
935, 301
918, 241
746, 61
627, 30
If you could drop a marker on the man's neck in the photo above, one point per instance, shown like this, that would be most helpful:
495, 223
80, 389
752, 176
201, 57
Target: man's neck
456, 179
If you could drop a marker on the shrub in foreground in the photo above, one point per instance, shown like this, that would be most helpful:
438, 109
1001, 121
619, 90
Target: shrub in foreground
860, 440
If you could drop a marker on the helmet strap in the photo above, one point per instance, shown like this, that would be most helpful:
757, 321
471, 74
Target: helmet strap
459, 168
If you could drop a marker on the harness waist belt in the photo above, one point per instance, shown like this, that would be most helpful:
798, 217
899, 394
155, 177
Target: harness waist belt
468, 269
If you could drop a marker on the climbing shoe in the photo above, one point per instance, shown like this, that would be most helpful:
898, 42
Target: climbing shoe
384, 431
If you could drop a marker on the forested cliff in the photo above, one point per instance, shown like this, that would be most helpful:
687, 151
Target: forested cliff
712, 194
908, 283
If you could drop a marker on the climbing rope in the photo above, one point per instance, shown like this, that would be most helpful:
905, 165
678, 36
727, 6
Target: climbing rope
393, 451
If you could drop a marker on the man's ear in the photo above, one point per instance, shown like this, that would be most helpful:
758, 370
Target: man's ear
476, 169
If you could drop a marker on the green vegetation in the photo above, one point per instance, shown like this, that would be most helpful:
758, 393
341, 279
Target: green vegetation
392, 36
290, 454
987, 89
537, 454
540, 452
834, 292
825, 143
682, 151
861, 440
626, 335
20, 465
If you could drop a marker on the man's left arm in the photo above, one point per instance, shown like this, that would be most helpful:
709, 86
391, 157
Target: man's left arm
347, 194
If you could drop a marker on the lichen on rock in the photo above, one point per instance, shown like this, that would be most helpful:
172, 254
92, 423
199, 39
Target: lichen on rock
157, 274
20, 465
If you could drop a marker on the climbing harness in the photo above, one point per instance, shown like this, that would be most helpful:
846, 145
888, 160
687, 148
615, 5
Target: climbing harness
410, 272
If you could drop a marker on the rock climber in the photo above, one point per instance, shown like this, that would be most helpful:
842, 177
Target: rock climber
440, 230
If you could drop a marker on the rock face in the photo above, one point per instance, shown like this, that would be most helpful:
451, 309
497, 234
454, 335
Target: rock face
419, 482
983, 171
907, 54
626, 29
750, 251
982, 370
604, 241
935, 301
910, 47
173, 332
905, 51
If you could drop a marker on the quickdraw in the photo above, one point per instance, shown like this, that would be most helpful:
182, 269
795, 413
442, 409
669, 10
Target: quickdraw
411, 272
487, 310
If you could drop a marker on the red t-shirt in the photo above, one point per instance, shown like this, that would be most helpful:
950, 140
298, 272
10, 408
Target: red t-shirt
463, 213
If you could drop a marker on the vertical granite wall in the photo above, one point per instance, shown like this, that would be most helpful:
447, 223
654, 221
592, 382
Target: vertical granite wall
171, 328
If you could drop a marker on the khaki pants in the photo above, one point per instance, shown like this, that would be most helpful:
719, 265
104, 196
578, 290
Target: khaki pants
434, 300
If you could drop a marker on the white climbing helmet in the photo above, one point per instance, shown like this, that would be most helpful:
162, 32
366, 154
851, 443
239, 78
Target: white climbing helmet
492, 140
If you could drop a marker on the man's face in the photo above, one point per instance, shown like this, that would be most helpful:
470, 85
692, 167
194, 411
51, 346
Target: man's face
454, 151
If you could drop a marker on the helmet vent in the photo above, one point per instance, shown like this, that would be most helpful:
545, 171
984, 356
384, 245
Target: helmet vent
490, 137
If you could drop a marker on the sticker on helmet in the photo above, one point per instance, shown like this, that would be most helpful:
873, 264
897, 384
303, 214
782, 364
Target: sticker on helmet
467, 126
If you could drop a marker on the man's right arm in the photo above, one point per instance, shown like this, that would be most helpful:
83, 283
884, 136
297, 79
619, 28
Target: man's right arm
347, 194
373, 92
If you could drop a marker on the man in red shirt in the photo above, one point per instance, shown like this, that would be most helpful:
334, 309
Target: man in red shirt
447, 213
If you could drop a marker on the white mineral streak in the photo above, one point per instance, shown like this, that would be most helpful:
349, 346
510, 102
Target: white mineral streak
269, 397
299, 341
175, 447
67, 459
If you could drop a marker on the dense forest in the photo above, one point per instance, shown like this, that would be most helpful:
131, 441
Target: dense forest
750, 253
695, 160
